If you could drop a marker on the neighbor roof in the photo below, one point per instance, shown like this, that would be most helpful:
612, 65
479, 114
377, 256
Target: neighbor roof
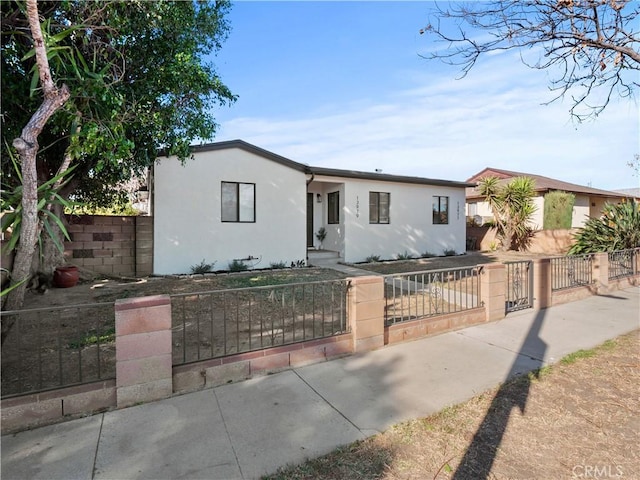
542, 184
329, 172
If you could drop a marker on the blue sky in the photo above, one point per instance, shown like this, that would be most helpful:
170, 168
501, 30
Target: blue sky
342, 85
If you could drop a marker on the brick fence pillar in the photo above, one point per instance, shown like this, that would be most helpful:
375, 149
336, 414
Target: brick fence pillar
366, 312
143, 350
493, 290
542, 283
601, 272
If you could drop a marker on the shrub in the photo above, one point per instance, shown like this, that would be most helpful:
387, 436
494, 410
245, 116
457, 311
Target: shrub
449, 252
298, 264
428, 255
558, 210
277, 265
202, 267
405, 256
617, 229
238, 266
372, 259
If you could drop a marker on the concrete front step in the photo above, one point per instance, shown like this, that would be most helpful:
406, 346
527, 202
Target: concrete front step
322, 255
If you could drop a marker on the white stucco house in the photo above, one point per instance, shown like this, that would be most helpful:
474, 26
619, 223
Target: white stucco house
236, 201
588, 201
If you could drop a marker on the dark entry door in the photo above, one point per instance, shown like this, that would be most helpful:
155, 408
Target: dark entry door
309, 219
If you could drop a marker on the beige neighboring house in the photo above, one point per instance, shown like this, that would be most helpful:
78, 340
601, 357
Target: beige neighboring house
588, 203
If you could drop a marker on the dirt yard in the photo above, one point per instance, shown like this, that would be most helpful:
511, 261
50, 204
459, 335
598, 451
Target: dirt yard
577, 419
95, 288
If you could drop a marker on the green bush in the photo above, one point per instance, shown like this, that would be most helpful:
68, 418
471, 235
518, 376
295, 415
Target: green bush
449, 252
404, 256
277, 265
202, 267
372, 259
558, 210
238, 266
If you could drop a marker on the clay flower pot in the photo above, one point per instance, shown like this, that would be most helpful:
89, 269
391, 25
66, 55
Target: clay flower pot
66, 276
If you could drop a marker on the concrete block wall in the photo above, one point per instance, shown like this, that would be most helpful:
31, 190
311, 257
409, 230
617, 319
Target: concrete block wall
113, 245
143, 349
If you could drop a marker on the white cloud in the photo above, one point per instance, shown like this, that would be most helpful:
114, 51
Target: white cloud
440, 128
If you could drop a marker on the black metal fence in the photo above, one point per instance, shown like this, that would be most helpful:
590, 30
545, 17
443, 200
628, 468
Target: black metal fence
623, 263
519, 293
409, 296
571, 271
219, 323
55, 347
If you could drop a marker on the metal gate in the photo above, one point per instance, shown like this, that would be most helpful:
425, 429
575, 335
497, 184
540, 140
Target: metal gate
519, 293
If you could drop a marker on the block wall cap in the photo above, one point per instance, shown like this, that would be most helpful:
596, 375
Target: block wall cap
142, 302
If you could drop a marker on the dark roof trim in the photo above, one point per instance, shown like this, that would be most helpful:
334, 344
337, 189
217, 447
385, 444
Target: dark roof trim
247, 147
332, 172
329, 172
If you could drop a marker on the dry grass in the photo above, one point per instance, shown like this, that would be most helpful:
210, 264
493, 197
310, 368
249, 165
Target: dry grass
577, 419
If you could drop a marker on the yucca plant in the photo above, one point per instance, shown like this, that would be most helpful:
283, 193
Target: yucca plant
512, 206
618, 228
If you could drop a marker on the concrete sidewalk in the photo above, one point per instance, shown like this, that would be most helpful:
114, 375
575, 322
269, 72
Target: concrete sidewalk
247, 429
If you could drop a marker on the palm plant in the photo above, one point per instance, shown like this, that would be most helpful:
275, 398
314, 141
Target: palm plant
512, 206
618, 228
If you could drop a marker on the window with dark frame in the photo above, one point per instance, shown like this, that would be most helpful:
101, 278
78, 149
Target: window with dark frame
440, 210
333, 207
238, 202
379, 207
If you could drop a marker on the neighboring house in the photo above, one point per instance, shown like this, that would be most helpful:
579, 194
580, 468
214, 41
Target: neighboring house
629, 193
588, 201
236, 201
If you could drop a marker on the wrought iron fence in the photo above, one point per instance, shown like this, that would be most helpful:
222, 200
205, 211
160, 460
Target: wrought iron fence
225, 322
55, 347
519, 294
571, 271
409, 296
623, 263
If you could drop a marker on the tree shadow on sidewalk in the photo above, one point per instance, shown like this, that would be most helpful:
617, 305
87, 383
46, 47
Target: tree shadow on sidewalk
483, 449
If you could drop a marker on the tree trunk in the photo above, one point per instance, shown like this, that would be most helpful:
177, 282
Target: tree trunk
51, 256
27, 147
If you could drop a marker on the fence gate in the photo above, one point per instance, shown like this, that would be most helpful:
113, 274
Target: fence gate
519, 294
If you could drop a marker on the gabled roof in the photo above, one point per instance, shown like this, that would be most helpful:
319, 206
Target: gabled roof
248, 147
329, 172
542, 184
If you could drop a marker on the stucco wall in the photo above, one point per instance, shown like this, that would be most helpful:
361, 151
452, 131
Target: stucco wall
581, 209
187, 212
411, 227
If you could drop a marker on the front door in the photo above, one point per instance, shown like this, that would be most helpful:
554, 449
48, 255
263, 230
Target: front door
309, 219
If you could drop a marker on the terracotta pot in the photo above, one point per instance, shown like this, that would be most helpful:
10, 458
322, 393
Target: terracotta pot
65, 277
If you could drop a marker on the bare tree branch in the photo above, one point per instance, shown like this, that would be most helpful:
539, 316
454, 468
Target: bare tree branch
590, 47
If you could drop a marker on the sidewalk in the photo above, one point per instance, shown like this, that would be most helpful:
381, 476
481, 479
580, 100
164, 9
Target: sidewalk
247, 429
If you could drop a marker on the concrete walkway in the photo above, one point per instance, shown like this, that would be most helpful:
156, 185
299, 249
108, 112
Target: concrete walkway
247, 429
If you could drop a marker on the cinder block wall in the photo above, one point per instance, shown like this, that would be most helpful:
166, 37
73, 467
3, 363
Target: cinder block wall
111, 244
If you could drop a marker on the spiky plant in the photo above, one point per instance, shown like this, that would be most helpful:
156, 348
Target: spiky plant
512, 206
618, 228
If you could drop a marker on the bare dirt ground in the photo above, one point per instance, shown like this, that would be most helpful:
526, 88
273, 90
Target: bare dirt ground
577, 419
95, 288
